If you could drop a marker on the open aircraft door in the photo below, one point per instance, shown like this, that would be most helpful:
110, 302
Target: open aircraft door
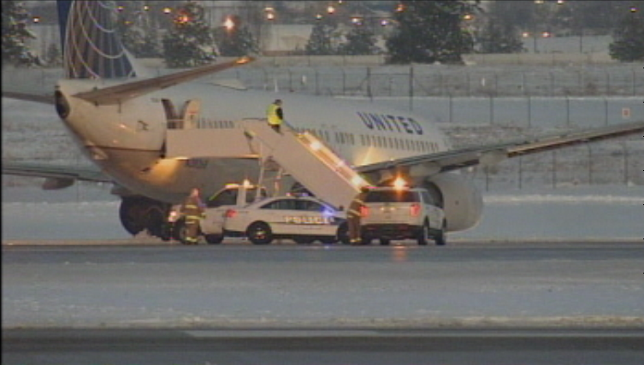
191, 112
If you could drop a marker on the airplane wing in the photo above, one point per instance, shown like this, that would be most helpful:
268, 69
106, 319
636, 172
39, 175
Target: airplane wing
122, 92
58, 177
492, 154
34, 96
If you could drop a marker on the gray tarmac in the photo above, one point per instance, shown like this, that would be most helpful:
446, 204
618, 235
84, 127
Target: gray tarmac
146, 302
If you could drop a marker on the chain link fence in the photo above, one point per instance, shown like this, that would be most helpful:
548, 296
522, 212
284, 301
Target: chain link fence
609, 163
414, 81
441, 80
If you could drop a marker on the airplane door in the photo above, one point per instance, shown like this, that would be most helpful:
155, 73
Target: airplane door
191, 112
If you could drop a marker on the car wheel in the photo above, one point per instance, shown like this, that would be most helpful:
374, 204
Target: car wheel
384, 241
440, 237
423, 234
214, 239
260, 233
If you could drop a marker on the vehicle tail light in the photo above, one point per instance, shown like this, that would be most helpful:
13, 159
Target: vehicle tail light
364, 211
230, 213
414, 210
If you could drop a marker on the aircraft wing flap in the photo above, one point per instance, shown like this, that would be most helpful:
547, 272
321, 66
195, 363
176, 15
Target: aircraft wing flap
51, 171
492, 154
119, 93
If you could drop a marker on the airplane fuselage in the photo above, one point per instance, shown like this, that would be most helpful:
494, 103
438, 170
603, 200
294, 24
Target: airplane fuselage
127, 139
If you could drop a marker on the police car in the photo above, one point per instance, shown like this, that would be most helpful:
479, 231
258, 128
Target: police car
302, 219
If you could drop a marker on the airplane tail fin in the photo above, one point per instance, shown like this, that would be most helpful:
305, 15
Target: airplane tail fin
91, 47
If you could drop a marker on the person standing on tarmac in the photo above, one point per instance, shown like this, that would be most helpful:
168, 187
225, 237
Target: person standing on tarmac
275, 115
193, 209
354, 213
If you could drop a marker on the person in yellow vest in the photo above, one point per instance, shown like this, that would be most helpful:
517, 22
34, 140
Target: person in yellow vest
275, 115
192, 209
353, 216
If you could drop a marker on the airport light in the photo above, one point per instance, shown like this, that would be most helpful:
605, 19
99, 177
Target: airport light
182, 19
270, 13
229, 24
167, 10
36, 19
330, 9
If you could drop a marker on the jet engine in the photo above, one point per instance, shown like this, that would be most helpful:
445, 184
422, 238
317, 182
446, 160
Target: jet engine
461, 200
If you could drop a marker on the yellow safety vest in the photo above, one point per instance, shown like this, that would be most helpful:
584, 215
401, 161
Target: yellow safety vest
271, 114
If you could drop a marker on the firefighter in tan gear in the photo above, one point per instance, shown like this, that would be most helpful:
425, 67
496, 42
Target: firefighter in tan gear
354, 213
192, 209
275, 115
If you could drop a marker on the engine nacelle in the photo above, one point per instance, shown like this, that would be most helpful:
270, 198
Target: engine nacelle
462, 202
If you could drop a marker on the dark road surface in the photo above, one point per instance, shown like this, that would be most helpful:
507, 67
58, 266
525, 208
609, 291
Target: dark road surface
314, 346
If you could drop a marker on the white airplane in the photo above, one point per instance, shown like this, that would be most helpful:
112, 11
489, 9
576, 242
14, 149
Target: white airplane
120, 117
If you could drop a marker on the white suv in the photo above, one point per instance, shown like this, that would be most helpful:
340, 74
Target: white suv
395, 213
